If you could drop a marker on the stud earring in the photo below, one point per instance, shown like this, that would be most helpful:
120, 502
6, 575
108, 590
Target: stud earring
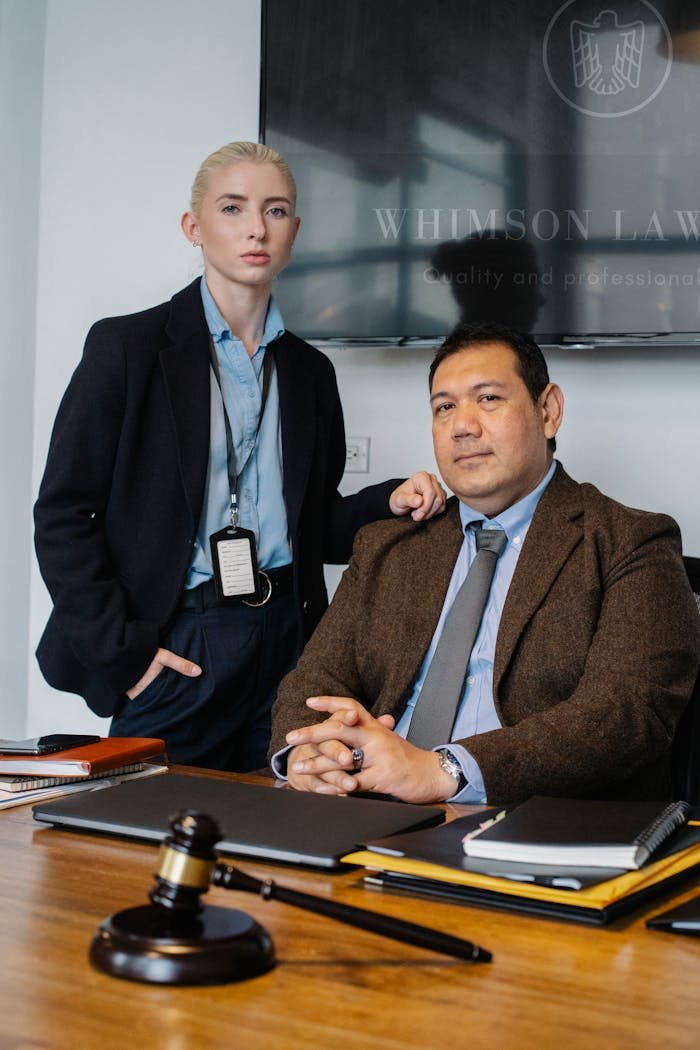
196, 244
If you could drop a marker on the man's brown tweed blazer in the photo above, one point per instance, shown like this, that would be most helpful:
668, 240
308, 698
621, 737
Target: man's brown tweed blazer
596, 656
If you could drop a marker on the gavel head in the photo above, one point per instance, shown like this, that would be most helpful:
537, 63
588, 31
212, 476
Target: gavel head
186, 862
175, 939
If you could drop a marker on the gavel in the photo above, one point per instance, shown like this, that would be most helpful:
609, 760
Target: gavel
176, 939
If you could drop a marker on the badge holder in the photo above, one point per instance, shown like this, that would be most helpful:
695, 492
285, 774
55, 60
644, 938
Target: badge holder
234, 557
235, 563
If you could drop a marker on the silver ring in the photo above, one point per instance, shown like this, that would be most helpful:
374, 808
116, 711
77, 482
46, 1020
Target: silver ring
358, 757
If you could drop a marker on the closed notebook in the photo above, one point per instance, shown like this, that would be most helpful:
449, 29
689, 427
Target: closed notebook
58, 786
18, 782
108, 753
443, 846
579, 832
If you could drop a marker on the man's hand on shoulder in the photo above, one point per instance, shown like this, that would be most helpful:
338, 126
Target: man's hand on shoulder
321, 759
421, 496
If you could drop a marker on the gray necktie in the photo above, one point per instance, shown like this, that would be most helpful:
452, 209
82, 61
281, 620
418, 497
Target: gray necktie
436, 706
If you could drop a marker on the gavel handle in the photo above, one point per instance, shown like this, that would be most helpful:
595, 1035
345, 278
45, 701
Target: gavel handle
230, 877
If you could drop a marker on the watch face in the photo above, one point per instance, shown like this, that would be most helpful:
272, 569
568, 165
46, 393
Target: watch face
450, 764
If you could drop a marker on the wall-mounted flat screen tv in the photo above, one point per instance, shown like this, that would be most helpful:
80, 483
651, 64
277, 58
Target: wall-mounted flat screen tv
533, 162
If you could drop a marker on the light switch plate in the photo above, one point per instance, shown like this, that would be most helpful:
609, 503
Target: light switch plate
357, 455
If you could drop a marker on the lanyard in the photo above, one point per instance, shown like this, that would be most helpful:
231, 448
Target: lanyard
234, 476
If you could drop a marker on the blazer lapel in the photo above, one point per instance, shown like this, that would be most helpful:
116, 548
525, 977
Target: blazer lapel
184, 363
297, 399
552, 536
419, 594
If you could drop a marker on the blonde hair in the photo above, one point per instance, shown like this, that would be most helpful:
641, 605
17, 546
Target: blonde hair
232, 153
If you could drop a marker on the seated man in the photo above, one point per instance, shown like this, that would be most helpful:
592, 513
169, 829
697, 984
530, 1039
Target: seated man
571, 680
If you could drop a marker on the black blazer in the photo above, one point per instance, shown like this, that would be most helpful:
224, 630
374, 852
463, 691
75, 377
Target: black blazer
122, 493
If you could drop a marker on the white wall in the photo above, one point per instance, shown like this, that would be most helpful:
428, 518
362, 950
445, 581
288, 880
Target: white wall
135, 93
21, 60
632, 426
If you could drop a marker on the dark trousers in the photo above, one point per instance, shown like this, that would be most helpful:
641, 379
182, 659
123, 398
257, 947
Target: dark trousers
220, 720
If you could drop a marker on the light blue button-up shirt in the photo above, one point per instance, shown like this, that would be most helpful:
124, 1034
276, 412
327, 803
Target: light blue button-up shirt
476, 712
260, 495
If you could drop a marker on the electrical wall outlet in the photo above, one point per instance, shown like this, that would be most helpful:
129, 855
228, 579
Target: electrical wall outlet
357, 455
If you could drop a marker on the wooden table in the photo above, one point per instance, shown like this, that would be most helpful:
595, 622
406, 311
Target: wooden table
551, 984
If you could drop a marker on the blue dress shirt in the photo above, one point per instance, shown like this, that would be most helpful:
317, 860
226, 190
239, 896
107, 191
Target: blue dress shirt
260, 497
476, 712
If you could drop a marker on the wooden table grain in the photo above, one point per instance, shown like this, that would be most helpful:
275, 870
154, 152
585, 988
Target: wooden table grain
551, 984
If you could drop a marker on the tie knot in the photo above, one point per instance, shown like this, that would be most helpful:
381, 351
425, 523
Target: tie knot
488, 539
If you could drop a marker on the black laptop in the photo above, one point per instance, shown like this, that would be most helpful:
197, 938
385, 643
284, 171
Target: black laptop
256, 821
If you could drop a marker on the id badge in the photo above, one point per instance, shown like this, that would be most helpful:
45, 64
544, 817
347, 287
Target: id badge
235, 563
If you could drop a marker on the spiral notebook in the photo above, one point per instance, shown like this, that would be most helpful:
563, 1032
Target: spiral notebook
607, 834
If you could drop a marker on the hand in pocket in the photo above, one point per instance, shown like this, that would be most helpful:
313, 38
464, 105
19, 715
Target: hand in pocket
163, 658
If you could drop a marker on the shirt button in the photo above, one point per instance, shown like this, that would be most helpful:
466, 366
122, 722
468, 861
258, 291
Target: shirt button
516, 541
471, 679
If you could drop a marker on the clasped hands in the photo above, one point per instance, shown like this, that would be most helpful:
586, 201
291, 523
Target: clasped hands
321, 756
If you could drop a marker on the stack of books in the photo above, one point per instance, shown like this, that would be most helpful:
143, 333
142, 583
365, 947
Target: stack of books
31, 778
584, 860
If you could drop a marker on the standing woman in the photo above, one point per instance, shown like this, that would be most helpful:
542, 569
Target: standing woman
201, 415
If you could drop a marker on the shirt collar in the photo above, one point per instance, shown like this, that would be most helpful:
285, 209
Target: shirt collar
514, 520
219, 329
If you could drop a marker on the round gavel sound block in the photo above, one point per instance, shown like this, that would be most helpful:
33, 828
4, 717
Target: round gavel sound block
176, 939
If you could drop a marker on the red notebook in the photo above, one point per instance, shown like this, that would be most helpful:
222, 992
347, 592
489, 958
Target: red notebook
108, 753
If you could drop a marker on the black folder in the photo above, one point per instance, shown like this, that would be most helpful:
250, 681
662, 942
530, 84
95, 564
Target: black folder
433, 865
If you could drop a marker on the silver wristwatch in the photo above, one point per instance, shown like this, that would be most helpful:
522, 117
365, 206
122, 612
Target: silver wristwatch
449, 763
